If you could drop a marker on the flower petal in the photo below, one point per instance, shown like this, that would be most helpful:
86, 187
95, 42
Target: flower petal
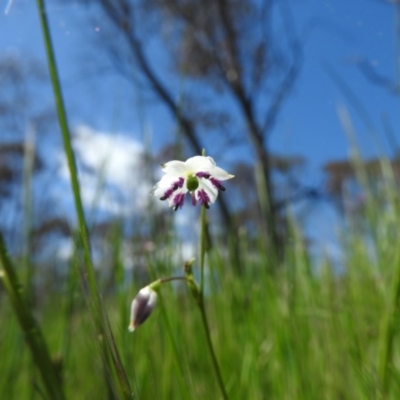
199, 163
177, 199
163, 185
203, 198
209, 188
220, 174
175, 168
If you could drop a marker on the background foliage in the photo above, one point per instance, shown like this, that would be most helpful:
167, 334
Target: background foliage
284, 324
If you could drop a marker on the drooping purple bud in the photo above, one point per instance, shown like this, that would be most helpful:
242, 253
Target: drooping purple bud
142, 306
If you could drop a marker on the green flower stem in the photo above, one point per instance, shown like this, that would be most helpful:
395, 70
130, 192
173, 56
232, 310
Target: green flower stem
172, 278
182, 376
33, 334
212, 352
202, 308
203, 234
183, 381
110, 353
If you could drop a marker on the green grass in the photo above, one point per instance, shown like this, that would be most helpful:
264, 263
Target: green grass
293, 334
295, 331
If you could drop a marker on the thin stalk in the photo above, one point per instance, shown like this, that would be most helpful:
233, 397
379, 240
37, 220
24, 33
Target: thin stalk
173, 278
183, 378
29, 155
202, 308
203, 233
62, 119
110, 353
33, 334
211, 350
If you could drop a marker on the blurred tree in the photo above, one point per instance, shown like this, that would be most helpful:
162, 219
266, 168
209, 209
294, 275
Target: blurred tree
33, 216
21, 117
352, 183
349, 183
235, 63
19, 81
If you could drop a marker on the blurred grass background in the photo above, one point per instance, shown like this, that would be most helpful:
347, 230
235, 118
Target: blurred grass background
292, 327
298, 332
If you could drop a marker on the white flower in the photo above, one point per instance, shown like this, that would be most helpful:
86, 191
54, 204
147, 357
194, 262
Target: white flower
142, 306
198, 175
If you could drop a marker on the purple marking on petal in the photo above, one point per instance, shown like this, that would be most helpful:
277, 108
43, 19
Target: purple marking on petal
217, 184
175, 186
203, 198
204, 175
178, 201
193, 199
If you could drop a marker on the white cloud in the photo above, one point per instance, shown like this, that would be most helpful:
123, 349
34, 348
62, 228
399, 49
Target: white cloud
112, 172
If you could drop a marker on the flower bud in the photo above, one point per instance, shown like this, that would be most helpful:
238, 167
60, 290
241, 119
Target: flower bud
142, 306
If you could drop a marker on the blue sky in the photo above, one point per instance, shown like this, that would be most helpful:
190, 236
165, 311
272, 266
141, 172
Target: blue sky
336, 34
348, 30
